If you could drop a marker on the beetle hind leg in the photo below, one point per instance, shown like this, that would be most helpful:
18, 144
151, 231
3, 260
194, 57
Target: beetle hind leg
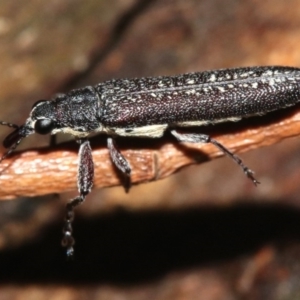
204, 138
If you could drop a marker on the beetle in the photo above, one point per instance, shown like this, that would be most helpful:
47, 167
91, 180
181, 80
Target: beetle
147, 107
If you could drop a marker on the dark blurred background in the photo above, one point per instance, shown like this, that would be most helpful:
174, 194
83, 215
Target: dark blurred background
203, 233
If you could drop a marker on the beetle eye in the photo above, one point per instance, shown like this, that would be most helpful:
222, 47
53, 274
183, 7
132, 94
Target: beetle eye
44, 126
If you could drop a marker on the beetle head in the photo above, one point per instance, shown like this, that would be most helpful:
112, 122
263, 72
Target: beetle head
39, 121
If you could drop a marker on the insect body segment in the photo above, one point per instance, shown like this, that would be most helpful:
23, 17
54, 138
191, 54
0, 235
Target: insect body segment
147, 107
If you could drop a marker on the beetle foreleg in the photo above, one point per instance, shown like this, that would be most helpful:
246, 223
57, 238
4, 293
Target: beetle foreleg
204, 138
85, 183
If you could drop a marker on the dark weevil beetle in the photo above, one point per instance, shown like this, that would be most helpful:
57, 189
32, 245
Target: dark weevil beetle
146, 107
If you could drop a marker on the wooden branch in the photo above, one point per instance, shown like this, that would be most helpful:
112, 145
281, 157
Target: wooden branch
44, 171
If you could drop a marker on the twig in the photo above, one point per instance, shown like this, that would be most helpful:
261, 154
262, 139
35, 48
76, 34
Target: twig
44, 171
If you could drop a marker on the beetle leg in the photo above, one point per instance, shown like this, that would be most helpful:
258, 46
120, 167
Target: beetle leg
53, 141
119, 161
84, 182
204, 138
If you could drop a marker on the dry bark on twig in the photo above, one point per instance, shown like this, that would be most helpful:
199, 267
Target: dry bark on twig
44, 171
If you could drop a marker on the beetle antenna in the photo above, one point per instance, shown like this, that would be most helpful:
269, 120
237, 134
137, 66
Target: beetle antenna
9, 124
